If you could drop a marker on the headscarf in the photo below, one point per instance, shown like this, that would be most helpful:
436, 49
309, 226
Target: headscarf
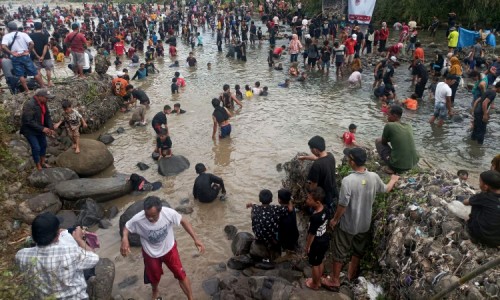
456, 68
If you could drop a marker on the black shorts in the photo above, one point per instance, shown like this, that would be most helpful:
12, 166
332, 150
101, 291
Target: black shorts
311, 61
317, 252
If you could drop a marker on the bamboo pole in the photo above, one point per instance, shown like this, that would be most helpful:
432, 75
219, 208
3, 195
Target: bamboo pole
467, 277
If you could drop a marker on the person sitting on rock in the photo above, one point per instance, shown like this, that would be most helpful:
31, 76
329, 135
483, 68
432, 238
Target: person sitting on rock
484, 221
163, 144
207, 186
140, 183
265, 219
55, 266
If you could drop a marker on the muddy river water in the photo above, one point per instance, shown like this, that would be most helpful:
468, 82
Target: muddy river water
267, 131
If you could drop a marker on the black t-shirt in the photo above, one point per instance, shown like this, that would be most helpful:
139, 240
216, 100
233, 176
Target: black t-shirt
174, 88
220, 114
317, 226
141, 96
265, 220
164, 145
323, 173
484, 221
389, 73
191, 61
421, 72
288, 232
202, 189
159, 119
326, 53
40, 40
490, 94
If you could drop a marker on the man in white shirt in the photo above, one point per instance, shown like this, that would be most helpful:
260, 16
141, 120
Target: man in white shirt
55, 265
19, 45
442, 104
154, 225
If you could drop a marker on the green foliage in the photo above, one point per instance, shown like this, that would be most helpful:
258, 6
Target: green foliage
12, 285
5, 130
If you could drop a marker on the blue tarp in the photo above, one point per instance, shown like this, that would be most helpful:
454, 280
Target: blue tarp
468, 38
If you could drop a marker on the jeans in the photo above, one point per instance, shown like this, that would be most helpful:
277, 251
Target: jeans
38, 145
293, 57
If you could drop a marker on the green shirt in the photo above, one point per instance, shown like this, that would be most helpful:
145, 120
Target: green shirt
403, 154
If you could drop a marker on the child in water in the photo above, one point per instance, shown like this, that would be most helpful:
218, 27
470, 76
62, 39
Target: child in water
279, 67
174, 65
163, 144
174, 87
293, 70
285, 84
265, 91
237, 92
302, 77
248, 91
411, 103
348, 137
118, 62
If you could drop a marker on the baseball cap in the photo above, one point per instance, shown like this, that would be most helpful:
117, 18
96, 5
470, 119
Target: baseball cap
394, 59
45, 93
45, 228
358, 155
354, 36
37, 25
12, 25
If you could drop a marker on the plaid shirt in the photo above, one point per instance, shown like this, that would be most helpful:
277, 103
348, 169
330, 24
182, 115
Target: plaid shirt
56, 270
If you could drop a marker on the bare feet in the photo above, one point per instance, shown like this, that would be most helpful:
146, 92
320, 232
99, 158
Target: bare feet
77, 150
310, 284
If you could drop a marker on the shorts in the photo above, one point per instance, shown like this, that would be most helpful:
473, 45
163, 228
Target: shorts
23, 66
73, 133
339, 64
153, 268
411, 46
225, 131
441, 111
311, 61
317, 253
345, 244
47, 64
157, 128
350, 58
325, 64
78, 58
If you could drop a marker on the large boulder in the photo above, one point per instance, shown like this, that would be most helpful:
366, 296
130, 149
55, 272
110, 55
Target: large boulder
241, 243
131, 211
260, 250
101, 286
99, 189
268, 287
91, 213
29, 209
41, 179
68, 218
173, 165
240, 262
93, 158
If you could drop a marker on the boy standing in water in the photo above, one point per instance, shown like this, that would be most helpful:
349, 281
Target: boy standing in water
72, 119
349, 138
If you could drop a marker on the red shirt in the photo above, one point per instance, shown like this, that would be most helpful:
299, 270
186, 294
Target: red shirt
131, 52
78, 43
348, 138
119, 48
277, 50
349, 45
393, 50
181, 82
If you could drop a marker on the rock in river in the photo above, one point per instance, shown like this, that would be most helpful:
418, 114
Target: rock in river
173, 165
93, 158
41, 179
131, 211
30, 208
99, 189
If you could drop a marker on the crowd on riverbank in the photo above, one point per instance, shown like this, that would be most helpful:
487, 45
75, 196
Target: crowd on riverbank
126, 30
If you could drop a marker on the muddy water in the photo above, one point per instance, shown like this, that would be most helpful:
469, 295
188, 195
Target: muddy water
267, 131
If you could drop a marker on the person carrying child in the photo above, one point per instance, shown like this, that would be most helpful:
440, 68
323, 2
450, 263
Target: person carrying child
72, 120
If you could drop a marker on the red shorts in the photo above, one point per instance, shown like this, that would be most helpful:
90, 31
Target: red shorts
153, 266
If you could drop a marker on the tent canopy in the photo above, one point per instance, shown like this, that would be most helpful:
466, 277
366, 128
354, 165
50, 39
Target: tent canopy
468, 38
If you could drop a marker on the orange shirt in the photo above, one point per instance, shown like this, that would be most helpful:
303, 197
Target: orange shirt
419, 53
411, 104
119, 86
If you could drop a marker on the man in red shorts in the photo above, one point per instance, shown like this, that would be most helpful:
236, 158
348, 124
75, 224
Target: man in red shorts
154, 225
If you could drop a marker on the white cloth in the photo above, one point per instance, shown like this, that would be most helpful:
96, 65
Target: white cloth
157, 238
355, 77
86, 65
443, 90
20, 45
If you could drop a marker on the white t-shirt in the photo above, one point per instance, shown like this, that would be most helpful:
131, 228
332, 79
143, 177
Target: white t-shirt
20, 45
443, 90
355, 77
157, 239
256, 90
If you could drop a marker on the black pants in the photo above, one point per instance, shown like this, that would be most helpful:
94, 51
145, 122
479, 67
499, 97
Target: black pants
479, 129
454, 89
420, 88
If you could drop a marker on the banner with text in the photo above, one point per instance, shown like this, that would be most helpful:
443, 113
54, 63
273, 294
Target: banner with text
361, 10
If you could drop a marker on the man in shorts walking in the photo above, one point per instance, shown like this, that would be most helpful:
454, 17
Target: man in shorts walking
77, 42
351, 223
154, 225
442, 104
19, 46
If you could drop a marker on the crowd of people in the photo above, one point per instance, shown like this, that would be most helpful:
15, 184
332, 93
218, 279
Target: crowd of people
340, 217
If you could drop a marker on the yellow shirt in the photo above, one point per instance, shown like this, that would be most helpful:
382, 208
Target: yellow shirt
453, 39
249, 94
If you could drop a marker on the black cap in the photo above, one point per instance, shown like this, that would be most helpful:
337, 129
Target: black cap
45, 228
358, 155
12, 26
38, 25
